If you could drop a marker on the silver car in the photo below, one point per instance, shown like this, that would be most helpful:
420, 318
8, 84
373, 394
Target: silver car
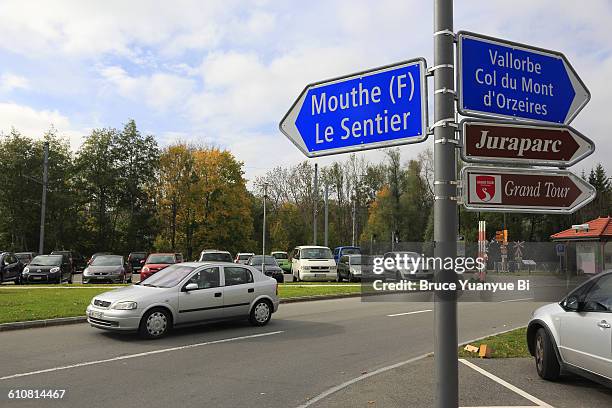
575, 335
186, 294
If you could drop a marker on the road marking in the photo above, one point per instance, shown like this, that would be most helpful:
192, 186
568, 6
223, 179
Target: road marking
357, 379
147, 353
339, 387
514, 300
506, 384
409, 313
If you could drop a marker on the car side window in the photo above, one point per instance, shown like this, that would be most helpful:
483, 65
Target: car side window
344, 259
237, 276
296, 254
599, 296
207, 278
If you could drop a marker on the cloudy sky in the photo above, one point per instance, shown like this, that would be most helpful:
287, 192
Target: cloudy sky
225, 72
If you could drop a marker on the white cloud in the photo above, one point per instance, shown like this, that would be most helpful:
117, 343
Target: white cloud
35, 123
158, 90
10, 81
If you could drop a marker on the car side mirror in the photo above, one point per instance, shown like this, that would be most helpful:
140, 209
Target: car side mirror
572, 304
191, 286
142, 261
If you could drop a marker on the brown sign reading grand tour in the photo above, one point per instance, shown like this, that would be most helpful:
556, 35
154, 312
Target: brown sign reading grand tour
511, 142
514, 189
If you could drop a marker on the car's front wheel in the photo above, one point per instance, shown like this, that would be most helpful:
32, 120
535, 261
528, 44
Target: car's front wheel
546, 361
155, 324
261, 313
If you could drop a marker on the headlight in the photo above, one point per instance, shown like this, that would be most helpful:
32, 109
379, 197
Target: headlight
306, 268
26, 270
145, 269
333, 268
54, 270
124, 306
86, 272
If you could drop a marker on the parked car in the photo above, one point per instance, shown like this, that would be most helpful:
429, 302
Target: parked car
25, 257
76, 260
157, 262
575, 335
411, 270
137, 260
345, 250
186, 294
268, 266
349, 268
48, 269
10, 268
283, 260
243, 257
313, 263
108, 268
214, 255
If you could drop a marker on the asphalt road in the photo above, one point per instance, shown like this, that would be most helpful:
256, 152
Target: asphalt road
307, 348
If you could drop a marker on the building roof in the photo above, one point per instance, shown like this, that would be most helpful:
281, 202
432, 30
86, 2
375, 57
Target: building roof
598, 228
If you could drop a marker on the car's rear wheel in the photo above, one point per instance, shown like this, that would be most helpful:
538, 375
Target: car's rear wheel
546, 361
155, 324
261, 313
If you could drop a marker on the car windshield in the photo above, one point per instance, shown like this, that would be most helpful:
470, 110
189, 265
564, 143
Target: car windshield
161, 259
351, 251
137, 257
269, 260
168, 277
280, 255
244, 257
47, 260
215, 256
316, 253
107, 260
355, 260
23, 257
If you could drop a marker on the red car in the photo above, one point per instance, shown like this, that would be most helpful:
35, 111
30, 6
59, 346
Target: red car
157, 262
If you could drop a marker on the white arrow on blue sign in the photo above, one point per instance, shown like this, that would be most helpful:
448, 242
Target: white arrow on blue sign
382, 107
504, 79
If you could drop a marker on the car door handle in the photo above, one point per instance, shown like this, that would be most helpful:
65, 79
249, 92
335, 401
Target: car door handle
604, 325
251, 290
218, 294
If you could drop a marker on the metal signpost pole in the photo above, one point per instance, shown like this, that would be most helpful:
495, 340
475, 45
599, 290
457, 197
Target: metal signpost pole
445, 204
326, 211
263, 241
314, 207
43, 204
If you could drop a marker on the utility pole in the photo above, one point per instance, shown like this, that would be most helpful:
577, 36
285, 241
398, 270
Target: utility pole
326, 211
445, 205
263, 240
354, 210
43, 201
314, 207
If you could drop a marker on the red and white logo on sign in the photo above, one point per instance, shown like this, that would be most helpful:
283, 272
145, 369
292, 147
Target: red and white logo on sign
485, 188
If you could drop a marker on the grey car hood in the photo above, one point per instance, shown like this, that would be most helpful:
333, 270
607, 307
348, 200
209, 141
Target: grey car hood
131, 293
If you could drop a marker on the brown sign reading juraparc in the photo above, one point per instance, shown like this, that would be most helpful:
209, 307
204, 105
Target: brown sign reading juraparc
523, 142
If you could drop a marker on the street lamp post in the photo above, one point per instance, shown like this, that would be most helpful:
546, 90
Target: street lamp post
263, 240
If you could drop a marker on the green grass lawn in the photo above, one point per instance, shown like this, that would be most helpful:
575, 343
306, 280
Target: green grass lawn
40, 303
507, 345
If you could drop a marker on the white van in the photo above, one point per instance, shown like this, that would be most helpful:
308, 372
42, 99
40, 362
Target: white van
313, 263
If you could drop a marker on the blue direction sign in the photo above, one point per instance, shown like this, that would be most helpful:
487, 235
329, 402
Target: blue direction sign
508, 80
382, 107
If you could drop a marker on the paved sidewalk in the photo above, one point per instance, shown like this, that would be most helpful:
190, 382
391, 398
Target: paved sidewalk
482, 383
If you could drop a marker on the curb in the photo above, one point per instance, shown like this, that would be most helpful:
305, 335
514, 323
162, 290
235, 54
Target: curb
83, 319
42, 323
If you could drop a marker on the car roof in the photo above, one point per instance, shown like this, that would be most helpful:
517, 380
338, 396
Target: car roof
243, 253
278, 252
197, 264
312, 247
214, 250
347, 246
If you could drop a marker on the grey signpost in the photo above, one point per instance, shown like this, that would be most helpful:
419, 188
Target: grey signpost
445, 204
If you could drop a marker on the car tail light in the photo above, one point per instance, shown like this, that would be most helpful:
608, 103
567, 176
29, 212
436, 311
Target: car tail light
276, 288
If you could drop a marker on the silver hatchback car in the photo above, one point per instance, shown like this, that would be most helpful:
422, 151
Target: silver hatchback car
575, 335
186, 294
